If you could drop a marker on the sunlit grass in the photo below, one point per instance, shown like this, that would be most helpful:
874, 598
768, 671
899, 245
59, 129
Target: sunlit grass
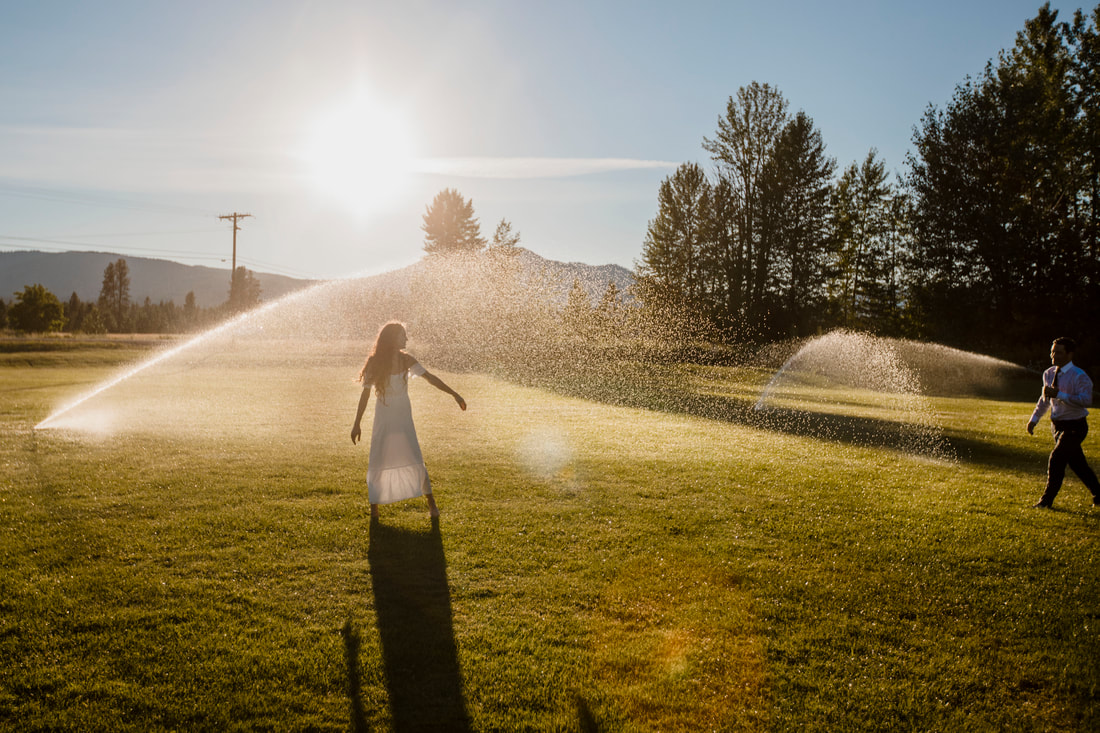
193, 564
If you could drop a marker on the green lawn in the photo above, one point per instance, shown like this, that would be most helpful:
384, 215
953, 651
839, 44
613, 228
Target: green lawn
199, 556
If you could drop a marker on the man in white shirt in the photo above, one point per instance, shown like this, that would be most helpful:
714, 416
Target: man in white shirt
1067, 392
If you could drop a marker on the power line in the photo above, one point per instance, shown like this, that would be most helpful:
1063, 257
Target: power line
273, 269
146, 250
68, 240
43, 244
101, 200
145, 234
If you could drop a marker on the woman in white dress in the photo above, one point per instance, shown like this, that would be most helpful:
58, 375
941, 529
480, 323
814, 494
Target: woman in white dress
396, 469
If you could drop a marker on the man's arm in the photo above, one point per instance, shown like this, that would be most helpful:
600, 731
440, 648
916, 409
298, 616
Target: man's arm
1079, 391
1041, 408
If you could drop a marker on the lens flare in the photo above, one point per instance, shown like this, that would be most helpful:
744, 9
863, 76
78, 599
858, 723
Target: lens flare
360, 153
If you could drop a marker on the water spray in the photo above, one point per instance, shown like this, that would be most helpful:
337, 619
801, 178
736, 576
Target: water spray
169, 353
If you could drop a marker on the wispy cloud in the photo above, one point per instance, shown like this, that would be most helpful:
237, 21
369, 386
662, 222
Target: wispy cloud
170, 161
533, 167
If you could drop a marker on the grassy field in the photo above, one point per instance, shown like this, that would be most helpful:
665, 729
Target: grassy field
200, 557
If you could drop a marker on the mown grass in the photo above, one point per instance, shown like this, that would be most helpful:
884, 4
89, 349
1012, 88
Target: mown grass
209, 562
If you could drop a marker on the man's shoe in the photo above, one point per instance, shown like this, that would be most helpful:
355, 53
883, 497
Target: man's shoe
1042, 505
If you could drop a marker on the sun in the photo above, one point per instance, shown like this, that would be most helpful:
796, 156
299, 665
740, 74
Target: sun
359, 153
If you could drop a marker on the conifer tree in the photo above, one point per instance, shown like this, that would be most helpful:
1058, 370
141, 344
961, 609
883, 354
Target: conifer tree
742, 149
505, 240
796, 187
114, 297
1002, 194
675, 251
862, 205
450, 226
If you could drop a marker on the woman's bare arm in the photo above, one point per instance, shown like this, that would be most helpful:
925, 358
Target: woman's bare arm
442, 386
356, 431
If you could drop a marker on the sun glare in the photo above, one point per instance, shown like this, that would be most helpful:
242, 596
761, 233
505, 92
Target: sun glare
359, 153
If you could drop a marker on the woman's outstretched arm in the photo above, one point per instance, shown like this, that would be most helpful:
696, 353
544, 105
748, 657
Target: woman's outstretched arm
440, 385
356, 431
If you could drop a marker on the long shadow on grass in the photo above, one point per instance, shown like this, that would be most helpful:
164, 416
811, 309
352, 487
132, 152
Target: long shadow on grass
641, 390
854, 430
413, 607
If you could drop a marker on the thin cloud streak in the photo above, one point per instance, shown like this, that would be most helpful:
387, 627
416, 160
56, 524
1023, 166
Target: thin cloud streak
160, 161
518, 168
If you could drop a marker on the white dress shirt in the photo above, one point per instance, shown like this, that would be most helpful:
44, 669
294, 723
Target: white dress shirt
1074, 394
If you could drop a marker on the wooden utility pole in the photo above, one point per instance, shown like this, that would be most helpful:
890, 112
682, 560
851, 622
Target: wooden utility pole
234, 216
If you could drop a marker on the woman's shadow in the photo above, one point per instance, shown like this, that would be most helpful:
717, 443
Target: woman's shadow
413, 608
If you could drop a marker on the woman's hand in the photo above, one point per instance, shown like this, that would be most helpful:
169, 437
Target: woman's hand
357, 432
461, 402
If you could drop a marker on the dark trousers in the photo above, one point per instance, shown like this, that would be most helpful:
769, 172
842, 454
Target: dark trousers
1068, 435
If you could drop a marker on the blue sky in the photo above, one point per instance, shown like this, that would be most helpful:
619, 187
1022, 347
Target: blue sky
131, 126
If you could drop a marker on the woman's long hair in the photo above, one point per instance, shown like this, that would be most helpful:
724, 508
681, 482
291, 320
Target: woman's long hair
376, 369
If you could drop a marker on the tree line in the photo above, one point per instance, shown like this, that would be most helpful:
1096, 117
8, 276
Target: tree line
37, 310
987, 239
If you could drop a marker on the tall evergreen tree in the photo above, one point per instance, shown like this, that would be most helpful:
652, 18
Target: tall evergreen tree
675, 248
114, 297
728, 260
996, 181
862, 206
190, 314
450, 226
795, 204
1085, 77
742, 149
75, 310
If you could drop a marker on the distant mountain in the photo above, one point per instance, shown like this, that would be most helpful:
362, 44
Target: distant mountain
553, 278
65, 273
593, 278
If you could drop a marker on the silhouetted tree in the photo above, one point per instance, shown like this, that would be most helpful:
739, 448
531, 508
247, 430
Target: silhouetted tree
190, 315
674, 254
796, 186
505, 240
742, 149
1003, 194
866, 261
244, 290
450, 226
74, 313
143, 318
1085, 77
114, 297
93, 321
36, 310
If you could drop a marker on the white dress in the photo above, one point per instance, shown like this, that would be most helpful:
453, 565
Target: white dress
396, 470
